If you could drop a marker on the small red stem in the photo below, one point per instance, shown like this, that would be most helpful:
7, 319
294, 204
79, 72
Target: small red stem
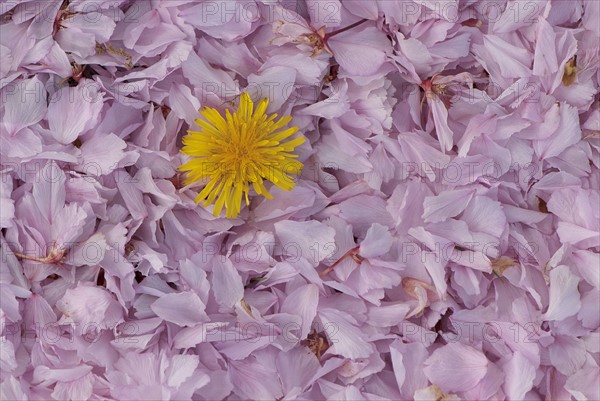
351, 252
330, 34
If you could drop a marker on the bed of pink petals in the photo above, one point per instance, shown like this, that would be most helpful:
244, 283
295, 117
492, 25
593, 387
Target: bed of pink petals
451, 167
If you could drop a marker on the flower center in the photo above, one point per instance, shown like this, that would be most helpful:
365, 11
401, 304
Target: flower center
238, 152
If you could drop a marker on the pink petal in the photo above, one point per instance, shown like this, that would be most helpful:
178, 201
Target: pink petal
305, 239
363, 9
588, 314
189, 337
25, 143
387, 314
24, 105
567, 354
585, 261
253, 380
79, 389
567, 134
456, 367
363, 210
184, 103
296, 368
181, 367
442, 129
275, 83
345, 337
503, 57
303, 302
101, 154
336, 105
227, 285
68, 225
519, 373
447, 204
564, 296
408, 360
545, 61
72, 111
212, 84
478, 125
285, 203
12, 389
45, 374
7, 205
360, 51
377, 242
183, 308
89, 305
49, 191
583, 384
485, 215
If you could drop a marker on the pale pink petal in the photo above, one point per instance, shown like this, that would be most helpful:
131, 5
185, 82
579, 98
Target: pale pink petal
567, 354
253, 380
564, 297
304, 239
24, 105
334, 106
363, 9
25, 143
296, 368
49, 191
519, 373
447, 204
72, 111
408, 361
545, 61
12, 389
362, 211
361, 51
87, 305
181, 367
387, 314
302, 302
585, 262
377, 242
7, 205
216, 20
212, 86
183, 308
582, 385
274, 83
285, 203
227, 285
184, 103
488, 386
324, 14
588, 314
443, 131
503, 58
101, 154
567, 134
78, 389
456, 367
345, 337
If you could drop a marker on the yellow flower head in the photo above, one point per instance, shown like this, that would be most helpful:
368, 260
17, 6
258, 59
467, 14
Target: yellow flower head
246, 147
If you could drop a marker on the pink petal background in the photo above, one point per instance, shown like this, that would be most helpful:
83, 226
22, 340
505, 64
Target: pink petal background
442, 241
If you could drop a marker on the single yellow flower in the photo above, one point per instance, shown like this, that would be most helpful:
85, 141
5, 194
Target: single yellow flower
246, 147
